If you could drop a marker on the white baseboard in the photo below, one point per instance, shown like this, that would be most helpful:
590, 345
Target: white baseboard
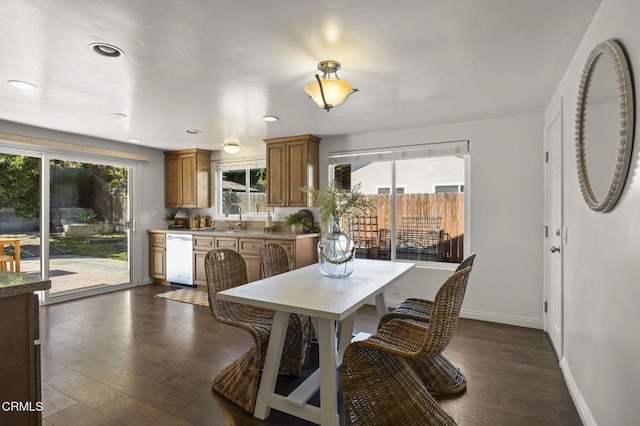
502, 319
483, 316
576, 395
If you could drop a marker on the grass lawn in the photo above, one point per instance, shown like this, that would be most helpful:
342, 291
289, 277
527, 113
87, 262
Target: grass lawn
111, 246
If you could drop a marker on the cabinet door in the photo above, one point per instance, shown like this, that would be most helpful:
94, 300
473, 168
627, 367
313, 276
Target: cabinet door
254, 271
199, 272
298, 161
276, 175
173, 181
188, 185
158, 263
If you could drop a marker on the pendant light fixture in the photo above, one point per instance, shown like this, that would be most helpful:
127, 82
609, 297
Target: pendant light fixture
329, 92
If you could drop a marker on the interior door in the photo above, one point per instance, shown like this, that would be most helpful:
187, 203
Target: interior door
553, 250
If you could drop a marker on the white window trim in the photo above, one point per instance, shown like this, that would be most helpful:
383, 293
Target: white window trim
458, 148
222, 166
458, 184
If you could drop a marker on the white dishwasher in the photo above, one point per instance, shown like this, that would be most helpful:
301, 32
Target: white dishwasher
180, 258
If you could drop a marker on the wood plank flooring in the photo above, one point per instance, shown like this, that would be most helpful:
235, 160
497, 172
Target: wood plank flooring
128, 358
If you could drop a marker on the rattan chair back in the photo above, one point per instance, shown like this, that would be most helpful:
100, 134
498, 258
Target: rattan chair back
446, 312
225, 268
467, 262
273, 259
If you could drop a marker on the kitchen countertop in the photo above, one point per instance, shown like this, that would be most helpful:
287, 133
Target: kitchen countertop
252, 233
15, 283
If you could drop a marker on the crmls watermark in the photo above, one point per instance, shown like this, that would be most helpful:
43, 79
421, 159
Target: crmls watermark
21, 406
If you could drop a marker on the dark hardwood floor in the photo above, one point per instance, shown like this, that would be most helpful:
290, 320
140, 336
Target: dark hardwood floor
130, 358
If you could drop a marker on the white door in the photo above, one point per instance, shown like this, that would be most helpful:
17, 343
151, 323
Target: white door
553, 241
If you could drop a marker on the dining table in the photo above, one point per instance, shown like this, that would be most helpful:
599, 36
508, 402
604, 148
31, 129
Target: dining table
331, 303
16, 248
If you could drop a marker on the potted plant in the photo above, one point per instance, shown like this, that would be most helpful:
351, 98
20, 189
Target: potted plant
336, 249
171, 216
297, 222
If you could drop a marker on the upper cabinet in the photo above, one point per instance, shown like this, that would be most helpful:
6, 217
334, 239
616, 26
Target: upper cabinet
292, 163
187, 178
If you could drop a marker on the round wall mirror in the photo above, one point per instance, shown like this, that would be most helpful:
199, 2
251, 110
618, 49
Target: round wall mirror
604, 126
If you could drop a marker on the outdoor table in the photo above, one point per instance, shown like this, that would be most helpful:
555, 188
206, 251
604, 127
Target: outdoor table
327, 301
16, 244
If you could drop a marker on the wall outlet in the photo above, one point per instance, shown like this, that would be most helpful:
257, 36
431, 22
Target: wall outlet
153, 215
395, 289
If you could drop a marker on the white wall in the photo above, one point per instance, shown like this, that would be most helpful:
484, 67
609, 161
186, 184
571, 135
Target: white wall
505, 214
148, 184
601, 267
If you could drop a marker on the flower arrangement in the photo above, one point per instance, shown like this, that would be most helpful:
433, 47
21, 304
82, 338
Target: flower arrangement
335, 202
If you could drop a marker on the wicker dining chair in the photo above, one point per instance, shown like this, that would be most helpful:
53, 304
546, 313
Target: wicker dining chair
442, 376
239, 381
274, 261
382, 376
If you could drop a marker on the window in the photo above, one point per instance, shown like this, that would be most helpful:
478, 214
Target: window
448, 187
387, 190
243, 186
423, 220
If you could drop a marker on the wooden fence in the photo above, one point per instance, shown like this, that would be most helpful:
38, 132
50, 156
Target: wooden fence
418, 213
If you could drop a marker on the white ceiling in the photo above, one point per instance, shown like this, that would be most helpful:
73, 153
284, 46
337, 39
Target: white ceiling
220, 65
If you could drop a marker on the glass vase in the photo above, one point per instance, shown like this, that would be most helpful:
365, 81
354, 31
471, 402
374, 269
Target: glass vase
336, 252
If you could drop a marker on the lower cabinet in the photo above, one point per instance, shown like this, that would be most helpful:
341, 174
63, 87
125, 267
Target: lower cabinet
20, 360
201, 246
249, 248
157, 256
301, 251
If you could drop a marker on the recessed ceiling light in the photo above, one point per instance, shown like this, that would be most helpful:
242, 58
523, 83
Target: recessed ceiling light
22, 85
108, 50
193, 131
231, 147
134, 141
270, 118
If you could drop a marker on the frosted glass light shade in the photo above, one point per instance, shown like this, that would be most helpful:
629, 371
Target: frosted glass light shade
335, 92
231, 147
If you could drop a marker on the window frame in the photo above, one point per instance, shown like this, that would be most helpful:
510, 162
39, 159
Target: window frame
392, 154
219, 168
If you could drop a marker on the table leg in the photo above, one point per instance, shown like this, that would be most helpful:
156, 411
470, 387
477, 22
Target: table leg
16, 256
381, 305
326, 334
271, 364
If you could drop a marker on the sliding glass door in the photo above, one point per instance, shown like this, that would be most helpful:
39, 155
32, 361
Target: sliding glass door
80, 208
89, 226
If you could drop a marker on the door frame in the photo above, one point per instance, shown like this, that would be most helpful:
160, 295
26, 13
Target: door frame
553, 116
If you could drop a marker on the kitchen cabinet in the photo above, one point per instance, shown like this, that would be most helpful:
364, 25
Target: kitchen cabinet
302, 251
292, 162
201, 246
187, 178
157, 256
20, 379
249, 248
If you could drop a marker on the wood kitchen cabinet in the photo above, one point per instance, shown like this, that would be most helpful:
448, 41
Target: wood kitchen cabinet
187, 178
157, 256
292, 163
249, 248
201, 246
20, 379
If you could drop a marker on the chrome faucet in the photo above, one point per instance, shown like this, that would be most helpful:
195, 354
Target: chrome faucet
238, 224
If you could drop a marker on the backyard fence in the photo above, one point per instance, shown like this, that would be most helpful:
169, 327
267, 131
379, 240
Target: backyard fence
429, 226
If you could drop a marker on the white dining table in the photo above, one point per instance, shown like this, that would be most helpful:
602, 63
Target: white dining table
331, 303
